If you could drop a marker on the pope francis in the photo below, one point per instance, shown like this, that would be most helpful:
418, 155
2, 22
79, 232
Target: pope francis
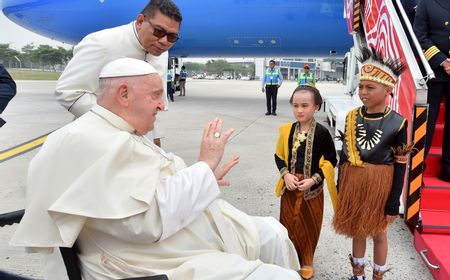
135, 210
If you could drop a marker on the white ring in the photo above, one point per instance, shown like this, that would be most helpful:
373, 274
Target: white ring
217, 134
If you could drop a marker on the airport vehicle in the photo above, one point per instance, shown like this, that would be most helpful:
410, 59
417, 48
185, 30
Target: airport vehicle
175, 64
227, 29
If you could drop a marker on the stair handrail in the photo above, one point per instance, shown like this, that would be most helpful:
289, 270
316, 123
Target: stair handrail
426, 65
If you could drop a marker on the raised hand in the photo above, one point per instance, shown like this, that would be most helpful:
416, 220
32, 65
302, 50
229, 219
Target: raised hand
213, 143
224, 171
446, 66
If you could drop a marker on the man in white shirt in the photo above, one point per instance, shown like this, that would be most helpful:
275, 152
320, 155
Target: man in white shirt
135, 210
148, 38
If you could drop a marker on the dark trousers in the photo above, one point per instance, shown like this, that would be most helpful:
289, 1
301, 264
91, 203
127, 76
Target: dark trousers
271, 98
436, 91
170, 91
182, 87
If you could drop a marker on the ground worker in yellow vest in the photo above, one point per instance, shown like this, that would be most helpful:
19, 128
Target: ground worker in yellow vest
306, 77
271, 81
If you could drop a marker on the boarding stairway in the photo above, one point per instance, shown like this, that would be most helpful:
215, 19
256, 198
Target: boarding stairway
435, 195
384, 25
432, 234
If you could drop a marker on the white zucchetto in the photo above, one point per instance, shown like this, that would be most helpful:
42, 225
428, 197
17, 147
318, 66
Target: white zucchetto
126, 67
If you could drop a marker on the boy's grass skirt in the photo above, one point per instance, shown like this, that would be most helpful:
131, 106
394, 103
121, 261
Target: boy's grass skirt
363, 194
303, 220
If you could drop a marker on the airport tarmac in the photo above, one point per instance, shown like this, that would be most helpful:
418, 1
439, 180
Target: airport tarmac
241, 104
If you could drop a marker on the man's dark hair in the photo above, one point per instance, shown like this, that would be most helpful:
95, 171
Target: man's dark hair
272, 61
313, 90
166, 7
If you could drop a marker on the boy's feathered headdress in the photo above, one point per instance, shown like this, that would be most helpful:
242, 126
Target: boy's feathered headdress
378, 69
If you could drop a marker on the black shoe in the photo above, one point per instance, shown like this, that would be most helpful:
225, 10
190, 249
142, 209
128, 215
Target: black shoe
267, 113
444, 176
274, 114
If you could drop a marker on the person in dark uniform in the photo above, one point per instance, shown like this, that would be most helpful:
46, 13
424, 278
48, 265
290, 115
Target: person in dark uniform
170, 89
271, 81
432, 28
410, 7
7, 90
183, 76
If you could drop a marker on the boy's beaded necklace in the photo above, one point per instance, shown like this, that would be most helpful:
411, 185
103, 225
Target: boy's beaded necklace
363, 142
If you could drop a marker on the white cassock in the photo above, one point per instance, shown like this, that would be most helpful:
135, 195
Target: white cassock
135, 210
77, 88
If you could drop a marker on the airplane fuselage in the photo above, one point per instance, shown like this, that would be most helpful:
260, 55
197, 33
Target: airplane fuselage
210, 28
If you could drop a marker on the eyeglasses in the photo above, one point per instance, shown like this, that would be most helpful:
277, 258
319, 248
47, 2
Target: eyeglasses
161, 33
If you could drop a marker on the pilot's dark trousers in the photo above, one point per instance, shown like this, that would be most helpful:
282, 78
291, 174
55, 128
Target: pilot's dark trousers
271, 98
170, 91
436, 92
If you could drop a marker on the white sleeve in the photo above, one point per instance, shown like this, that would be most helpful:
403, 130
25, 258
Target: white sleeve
184, 196
179, 200
77, 88
143, 228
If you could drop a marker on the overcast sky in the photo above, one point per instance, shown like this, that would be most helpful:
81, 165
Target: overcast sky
18, 37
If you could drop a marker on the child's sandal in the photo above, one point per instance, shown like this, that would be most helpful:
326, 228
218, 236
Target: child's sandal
378, 275
358, 270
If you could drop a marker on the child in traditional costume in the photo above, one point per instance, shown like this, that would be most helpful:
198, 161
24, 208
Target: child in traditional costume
370, 173
305, 156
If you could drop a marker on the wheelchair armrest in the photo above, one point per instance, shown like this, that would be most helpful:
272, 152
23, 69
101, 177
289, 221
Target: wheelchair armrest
11, 217
154, 277
69, 255
72, 263
8, 276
